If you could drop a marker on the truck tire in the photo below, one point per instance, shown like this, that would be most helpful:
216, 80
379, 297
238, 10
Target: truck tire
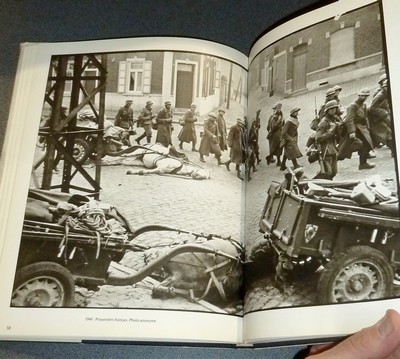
355, 274
43, 284
81, 150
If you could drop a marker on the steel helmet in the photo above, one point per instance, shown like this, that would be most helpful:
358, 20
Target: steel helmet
331, 104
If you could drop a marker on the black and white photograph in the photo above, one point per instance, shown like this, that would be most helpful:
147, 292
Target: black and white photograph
131, 201
172, 189
322, 208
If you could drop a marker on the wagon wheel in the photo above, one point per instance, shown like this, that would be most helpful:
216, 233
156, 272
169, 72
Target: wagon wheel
43, 284
81, 150
358, 273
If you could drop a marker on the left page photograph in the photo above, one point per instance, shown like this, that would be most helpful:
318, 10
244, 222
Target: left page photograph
119, 212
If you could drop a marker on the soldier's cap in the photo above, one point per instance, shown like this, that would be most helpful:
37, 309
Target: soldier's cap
241, 121
277, 105
364, 92
193, 105
64, 107
330, 92
331, 104
382, 78
149, 103
295, 109
258, 111
212, 114
128, 101
337, 88
167, 103
221, 110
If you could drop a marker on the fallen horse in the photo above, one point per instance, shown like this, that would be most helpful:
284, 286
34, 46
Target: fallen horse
70, 240
157, 159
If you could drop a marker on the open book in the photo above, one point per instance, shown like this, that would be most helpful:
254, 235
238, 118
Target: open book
177, 190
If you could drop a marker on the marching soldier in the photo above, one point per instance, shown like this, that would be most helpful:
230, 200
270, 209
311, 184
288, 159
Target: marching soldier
188, 131
380, 119
209, 142
164, 125
237, 144
222, 130
124, 117
325, 139
146, 120
289, 139
274, 128
357, 127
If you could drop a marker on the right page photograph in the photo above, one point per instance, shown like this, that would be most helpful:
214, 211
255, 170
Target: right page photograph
322, 215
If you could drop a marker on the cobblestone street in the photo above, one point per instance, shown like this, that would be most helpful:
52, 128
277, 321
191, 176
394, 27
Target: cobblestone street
215, 205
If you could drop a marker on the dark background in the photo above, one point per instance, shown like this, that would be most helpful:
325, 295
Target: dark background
236, 23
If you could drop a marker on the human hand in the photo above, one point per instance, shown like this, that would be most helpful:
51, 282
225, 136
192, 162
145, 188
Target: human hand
380, 341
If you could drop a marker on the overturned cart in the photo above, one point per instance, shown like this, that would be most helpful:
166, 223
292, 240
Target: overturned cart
69, 240
345, 231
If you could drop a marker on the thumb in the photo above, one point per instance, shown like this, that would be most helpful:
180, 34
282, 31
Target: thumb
375, 342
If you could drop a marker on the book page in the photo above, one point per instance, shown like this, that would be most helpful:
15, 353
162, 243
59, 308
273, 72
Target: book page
324, 196
120, 220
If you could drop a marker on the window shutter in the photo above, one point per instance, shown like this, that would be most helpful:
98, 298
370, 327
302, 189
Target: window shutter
122, 77
147, 76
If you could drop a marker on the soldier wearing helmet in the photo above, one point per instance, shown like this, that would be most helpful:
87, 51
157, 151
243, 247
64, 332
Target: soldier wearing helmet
326, 140
380, 118
210, 140
356, 126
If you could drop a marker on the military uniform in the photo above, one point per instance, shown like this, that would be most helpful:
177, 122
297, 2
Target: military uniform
325, 139
356, 124
124, 117
145, 119
164, 125
209, 142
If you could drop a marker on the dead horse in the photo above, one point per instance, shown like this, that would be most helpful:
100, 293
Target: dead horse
161, 160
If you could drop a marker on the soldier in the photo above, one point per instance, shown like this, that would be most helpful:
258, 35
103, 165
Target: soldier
289, 138
254, 136
380, 119
329, 96
274, 128
381, 79
210, 140
188, 131
164, 125
325, 139
146, 120
357, 127
124, 117
237, 144
222, 130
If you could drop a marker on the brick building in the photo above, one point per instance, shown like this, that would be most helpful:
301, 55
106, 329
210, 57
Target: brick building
341, 49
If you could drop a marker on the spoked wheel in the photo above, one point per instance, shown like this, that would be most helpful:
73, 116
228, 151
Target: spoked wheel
81, 150
358, 273
43, 284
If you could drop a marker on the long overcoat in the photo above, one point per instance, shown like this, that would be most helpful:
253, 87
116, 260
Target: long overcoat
209, 143
188, 131
274, 128
222, 132
356, 121
289, 138
379, 118
237, 144
164, 126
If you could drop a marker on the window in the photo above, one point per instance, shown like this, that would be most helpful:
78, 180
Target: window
342, 47
134, 76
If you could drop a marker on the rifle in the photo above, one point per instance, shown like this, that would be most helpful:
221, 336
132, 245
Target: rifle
315, 121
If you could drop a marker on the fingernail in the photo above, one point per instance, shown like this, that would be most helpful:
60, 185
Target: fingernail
384, 326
